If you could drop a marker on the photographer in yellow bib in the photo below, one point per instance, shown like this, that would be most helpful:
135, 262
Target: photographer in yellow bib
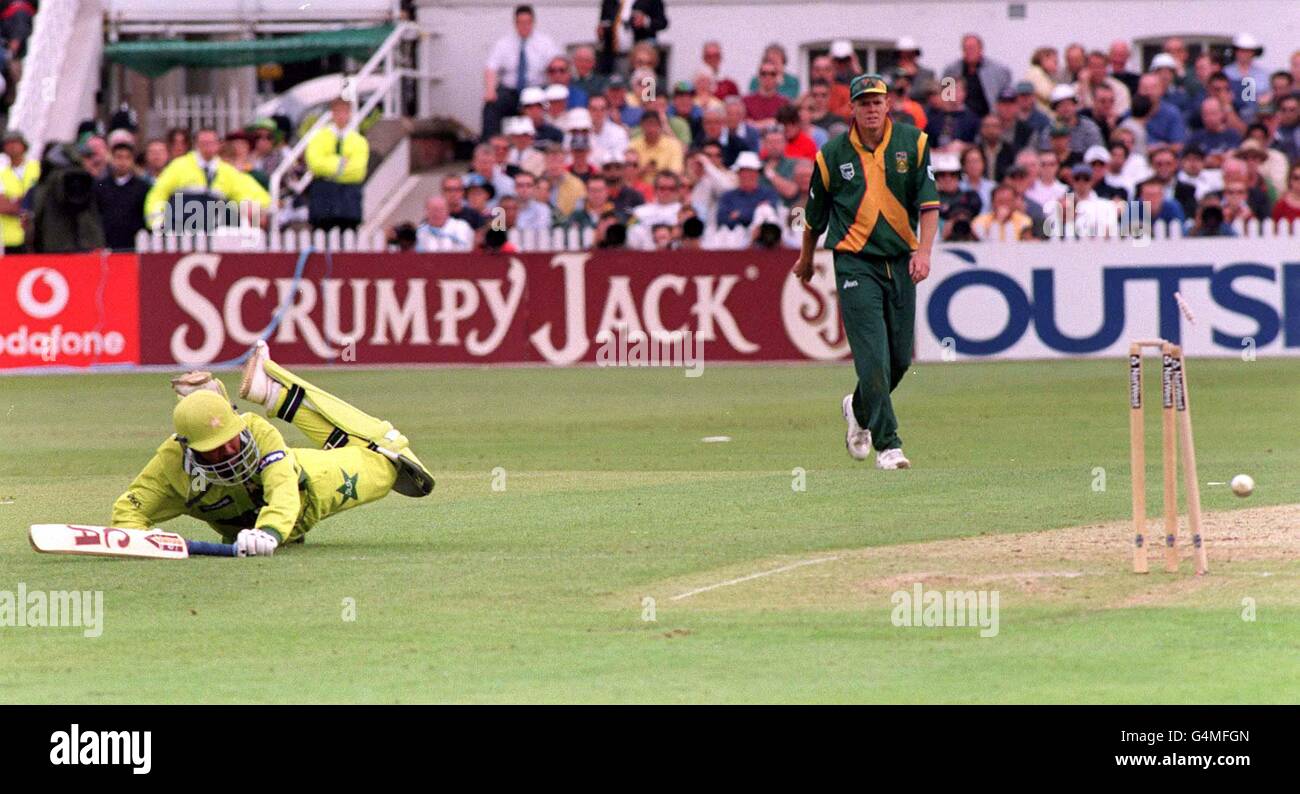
236, 473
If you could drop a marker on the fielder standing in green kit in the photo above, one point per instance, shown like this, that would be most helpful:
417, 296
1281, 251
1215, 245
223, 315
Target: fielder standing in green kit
871, 189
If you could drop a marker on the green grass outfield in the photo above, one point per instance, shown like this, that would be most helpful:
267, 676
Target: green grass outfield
535, 593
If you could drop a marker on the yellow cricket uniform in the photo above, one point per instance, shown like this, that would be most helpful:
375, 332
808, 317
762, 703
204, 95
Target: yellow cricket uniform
291, 492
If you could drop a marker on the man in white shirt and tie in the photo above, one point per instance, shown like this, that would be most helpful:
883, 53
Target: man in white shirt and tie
516, 61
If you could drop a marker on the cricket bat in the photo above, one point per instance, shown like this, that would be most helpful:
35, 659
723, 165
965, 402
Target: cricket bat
95, 541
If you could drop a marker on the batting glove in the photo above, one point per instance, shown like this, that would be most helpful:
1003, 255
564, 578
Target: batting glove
255, 543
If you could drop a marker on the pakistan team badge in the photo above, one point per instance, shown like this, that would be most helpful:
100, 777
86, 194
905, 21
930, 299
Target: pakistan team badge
900, 162
349, 487
846, 171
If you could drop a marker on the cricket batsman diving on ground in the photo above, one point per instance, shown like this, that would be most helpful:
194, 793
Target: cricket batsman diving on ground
871, 187
235, 472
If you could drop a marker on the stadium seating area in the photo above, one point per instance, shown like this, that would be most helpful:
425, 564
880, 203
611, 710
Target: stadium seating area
600, 146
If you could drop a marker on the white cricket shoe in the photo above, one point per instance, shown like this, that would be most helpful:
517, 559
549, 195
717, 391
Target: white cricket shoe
197, 380
255, 384
856, 440
892, 459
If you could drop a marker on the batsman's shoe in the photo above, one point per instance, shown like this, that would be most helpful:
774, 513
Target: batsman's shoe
196, 380
892, 459
856, 440
412, 478
255, 384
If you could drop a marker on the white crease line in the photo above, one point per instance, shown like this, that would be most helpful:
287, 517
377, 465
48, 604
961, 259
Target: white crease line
758, 575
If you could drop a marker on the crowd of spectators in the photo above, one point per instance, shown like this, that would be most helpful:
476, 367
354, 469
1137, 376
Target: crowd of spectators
105, 187
605, 140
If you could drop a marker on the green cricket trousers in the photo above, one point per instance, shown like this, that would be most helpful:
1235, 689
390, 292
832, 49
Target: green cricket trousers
878, 307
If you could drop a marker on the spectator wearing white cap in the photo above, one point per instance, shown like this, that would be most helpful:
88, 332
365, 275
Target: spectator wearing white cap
440, 231
1094, 216
1097, 158
909, 54
624, 197
984, 77
607, 136
736, 207
557, 102
1166, 68
533, 102
576, 121
516, 61
1083, 131
1246, 73
523, 155
844, 62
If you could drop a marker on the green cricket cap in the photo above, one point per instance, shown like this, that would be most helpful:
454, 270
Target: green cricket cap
865, 84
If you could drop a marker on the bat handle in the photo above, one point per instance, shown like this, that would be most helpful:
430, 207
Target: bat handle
202, 548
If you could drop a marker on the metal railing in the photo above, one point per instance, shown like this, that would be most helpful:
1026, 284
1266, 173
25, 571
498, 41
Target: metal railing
383, 57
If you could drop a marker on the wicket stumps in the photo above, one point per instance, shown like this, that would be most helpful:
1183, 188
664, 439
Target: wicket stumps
1176, 409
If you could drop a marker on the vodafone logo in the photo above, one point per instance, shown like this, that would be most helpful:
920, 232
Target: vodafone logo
54, 282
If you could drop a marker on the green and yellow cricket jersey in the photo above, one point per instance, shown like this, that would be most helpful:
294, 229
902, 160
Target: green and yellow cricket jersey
292, 490
870, 201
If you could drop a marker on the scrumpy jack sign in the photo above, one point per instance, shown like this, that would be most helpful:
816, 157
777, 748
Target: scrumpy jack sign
988, 300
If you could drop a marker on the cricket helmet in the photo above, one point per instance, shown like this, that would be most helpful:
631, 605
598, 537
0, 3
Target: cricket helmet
205, 421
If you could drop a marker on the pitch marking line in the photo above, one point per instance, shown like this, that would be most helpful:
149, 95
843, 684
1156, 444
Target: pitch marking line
758, 575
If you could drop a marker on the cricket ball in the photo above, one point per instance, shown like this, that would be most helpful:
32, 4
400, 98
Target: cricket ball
1243, 485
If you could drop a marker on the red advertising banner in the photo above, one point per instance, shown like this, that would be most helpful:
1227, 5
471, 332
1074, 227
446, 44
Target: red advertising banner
73, 310
559, 308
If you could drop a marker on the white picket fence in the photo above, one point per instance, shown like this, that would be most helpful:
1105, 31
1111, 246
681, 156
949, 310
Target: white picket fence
225, 113
250, 240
